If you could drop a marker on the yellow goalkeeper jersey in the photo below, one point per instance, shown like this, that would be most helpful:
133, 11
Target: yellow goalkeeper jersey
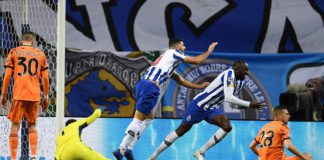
69, 145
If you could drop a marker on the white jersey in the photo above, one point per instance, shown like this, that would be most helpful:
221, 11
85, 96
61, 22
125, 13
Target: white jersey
163, 67
224, 88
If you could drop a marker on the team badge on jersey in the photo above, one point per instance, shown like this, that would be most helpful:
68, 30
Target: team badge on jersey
230, 82
188, 118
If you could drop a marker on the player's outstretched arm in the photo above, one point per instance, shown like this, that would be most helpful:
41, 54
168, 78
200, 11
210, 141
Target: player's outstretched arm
258, 105
228, 94
230, 98
187, 83
295, 151
198, 59
85, 122
254, 147
96, 114
6, 81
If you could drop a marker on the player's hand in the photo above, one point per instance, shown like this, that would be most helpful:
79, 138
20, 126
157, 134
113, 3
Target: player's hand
212, 47
45, 104
258, 105
4, 100
204, 85
307, 156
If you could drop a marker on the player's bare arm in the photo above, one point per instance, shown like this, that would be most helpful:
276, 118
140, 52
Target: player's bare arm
254, 147
295, 151
200, 58
187, 83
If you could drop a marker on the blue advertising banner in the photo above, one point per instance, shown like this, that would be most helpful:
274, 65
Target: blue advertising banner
105, 135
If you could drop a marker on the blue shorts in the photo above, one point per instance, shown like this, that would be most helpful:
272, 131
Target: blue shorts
147, 95
194, 114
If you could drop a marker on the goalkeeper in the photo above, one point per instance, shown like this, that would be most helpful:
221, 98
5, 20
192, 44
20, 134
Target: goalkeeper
69, 145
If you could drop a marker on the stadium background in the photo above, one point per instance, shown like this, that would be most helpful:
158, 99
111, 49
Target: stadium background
281, 40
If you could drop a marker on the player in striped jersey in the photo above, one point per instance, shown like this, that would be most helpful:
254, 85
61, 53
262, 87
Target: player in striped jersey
148, 90
205, 106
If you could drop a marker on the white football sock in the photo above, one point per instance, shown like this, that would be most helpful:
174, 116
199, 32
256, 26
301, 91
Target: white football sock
130, 133
165, 144
146, 123
217, 137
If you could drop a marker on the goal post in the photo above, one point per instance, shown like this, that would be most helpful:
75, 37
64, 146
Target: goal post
60, 85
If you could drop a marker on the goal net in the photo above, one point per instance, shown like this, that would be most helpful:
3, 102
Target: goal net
40, 17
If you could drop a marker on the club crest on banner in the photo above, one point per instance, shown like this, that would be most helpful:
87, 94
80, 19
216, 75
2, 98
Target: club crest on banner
103, 79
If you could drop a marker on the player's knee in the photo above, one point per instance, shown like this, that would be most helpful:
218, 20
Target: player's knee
182, 129
180, 132
31, 125
15, 128
227, 128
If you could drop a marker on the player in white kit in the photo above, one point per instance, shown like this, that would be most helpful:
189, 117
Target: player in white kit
205, 106
148, 91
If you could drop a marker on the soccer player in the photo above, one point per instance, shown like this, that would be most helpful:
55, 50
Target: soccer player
27, 65
205, 106
148, 90
273, 136
69, 145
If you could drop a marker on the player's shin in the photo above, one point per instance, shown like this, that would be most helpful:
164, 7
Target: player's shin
165, 144
33, 141
217, 137
13, 144
146, 123
131, 131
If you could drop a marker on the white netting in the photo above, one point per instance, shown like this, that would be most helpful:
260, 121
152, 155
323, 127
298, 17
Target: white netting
41, 17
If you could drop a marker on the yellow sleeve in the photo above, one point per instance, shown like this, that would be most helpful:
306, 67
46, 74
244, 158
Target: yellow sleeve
96, 114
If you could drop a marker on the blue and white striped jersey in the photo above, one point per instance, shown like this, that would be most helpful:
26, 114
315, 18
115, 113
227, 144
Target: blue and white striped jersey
224, 88
163, 67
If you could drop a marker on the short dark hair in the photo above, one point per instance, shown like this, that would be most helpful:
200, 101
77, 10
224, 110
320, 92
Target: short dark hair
280, 108
174, 41
277, 110
28, 32
239, 64
70, 121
